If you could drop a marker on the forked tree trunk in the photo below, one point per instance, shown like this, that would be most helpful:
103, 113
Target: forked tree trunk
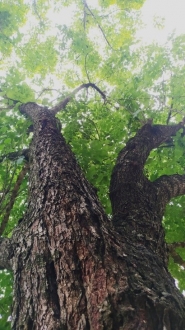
76, 269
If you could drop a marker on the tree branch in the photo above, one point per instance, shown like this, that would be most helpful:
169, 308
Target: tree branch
5, 253
14, 155
147, 138
61, 105
170, 112
128, 177
171, 185
14, 194
176, 257
176, 245
47, 90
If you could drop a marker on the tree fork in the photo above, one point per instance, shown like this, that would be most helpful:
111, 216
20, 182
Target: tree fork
73, 267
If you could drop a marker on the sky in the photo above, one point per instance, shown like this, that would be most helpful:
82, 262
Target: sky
173, 12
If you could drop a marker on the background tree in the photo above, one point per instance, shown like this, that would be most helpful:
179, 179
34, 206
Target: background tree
45, 67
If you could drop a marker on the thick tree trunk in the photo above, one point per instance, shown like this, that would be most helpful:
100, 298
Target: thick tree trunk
76, 269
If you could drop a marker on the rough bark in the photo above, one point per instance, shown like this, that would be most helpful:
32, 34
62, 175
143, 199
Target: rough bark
76, 269
5, 253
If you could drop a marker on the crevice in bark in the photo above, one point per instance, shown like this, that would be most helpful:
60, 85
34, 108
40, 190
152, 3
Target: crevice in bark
30, 324
52, 288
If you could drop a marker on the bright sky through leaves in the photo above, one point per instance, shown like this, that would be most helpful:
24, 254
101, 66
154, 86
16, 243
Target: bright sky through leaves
173, 12
161, 17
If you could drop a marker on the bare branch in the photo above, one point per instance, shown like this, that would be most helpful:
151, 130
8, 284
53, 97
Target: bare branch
176, 245
61, 105
170, 185
5, 253
86, 68
14, 194
15, 155
176, 257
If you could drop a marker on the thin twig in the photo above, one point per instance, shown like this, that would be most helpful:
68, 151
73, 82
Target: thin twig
84, 18
37, 13
46, 90
93, 123
86, 68
86, 5
170, 112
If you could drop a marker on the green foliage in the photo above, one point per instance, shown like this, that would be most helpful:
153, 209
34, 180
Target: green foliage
39, 57
126, 4
5, 299
178, 273
90, 130
11, 140
12, 16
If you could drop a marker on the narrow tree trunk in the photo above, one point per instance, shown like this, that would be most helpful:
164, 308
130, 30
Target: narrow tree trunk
73, 267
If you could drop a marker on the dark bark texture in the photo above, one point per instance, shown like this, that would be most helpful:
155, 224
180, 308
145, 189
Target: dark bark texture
76, 269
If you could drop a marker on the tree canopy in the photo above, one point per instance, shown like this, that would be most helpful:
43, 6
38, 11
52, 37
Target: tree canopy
48, 49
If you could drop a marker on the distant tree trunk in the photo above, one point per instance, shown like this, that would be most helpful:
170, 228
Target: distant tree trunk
76, 269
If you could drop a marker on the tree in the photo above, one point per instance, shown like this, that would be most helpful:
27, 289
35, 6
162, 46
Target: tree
75, 267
